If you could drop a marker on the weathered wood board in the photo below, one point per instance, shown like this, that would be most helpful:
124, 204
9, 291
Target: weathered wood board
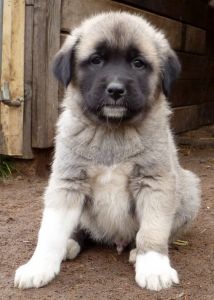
28, 81
192, 12
195, 40
188, 92
190, 117
193, 66
12, 72
185, 118
1, 24
73, 13
209, 75
207, 113
47, 16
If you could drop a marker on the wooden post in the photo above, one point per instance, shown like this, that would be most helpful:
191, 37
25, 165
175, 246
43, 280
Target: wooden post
1, 27
28, 81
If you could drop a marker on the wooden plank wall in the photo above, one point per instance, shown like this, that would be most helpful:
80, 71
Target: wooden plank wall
193, 94
186, 26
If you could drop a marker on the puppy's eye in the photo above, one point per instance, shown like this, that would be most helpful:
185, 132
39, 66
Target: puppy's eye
138, 63
96, 60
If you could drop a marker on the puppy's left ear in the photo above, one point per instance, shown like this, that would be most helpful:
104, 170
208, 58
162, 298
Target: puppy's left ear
170, 71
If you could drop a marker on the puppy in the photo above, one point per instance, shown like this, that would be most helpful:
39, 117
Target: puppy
116, 173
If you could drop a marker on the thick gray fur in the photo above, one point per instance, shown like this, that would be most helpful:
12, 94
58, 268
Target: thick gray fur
119, 182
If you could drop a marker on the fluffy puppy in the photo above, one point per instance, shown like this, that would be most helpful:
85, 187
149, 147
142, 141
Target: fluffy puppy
116, 173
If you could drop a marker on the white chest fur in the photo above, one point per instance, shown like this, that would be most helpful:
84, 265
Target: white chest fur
109, 216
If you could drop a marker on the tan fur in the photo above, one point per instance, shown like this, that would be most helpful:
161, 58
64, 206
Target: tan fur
130, 177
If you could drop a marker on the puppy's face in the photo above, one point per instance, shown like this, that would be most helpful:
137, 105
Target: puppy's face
114, 82
118, 63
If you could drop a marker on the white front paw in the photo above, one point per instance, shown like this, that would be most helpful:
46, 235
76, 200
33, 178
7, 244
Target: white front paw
153, 271
35, 273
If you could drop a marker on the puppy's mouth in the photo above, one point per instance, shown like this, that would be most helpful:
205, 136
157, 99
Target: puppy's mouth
114, 111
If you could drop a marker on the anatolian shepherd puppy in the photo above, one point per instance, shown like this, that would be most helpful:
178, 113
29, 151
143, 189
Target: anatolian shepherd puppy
116, 173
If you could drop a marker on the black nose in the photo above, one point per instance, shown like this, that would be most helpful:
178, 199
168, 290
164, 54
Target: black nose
116, 90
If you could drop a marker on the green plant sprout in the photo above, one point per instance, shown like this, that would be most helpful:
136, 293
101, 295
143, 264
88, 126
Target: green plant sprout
6, 167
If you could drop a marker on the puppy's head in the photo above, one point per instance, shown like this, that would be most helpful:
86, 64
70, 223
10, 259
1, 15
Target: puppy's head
118, 63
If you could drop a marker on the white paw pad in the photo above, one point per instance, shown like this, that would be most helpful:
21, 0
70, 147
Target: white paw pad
35, 274
153, 271
73, 249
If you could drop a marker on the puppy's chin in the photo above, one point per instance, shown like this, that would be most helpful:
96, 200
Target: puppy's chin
115, 112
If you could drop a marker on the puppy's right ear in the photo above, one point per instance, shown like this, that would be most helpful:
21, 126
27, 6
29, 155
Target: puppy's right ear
64, 61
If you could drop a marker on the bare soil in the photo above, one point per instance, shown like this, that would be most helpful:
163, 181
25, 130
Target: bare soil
99, 273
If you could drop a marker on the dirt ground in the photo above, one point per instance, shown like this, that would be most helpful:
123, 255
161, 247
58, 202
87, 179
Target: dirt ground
99, 273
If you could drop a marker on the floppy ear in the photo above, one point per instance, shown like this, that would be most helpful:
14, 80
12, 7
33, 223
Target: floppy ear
170, 72
64, 61
63, 66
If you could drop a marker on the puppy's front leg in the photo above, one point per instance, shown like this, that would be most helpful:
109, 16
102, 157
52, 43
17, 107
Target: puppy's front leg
155, 209
60, 218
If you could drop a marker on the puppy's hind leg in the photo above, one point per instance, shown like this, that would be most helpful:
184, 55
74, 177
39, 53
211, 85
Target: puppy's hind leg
75, 244
73, 249
132, 256
189, 197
